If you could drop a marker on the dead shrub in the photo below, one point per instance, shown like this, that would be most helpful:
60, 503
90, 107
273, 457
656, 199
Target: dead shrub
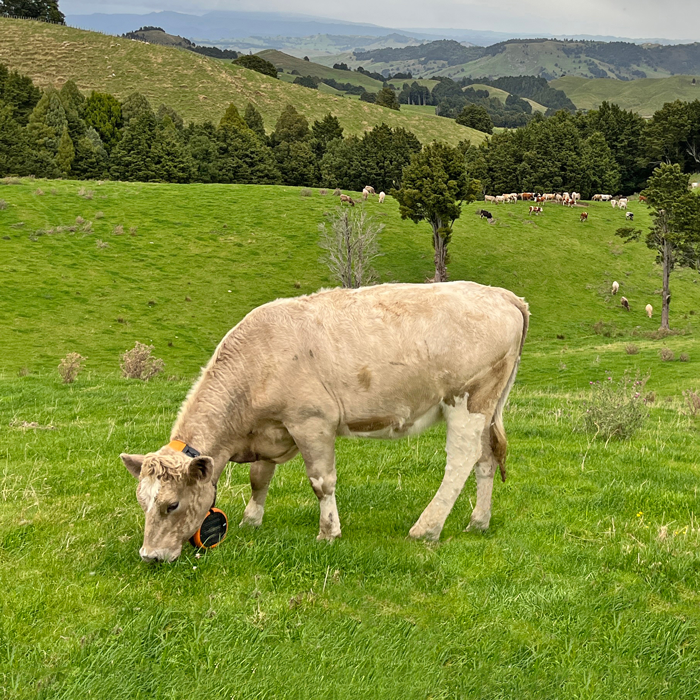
323, 192
118, 230
139, 363
86, 227
631, 349
684, 357
11, 181
3, 205
70, 366
692, 401
666, 355
101, 244
100, 215
337, 192
79, 220
305, 192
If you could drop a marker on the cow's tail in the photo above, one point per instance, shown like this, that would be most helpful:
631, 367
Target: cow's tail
499, 443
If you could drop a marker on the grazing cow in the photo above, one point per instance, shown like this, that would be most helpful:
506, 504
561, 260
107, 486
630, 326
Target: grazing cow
489, 198
584, 216
613, 202
365, 194
526, 196
649, 309
642, 198
536, 210
693, 185
629, 216
576, 196
345, 199
558, 198
485, 214
370, 189
615, 287
383, 362
622, 204
500, 199
382, 196
625, 304
596, 198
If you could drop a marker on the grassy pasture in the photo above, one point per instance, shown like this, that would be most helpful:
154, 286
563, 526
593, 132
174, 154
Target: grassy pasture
198, 87
586, 586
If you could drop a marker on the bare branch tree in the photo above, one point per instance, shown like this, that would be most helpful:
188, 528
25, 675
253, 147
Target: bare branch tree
349, 240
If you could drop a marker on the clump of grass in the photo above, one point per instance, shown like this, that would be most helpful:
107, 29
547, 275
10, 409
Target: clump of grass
607, 329
631, 349
101, 244
3, 205
79, 220
133, 230
615, 409
70, 366
39, 192
100, 215
297, 285
139, 363
11, 181
305, 192
85, 193
692, 401
22, 371
323, 192
337, 192
86, 227
684, 357
666, 355
118, 230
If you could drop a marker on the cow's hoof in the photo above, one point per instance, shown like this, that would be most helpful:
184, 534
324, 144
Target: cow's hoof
420, 533
477, 526
327, 537
250, 522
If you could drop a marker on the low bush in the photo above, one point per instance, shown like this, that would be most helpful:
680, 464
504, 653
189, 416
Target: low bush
692, 401
615, 409
3, 204
631, 349
70, 366
139, 363
118, 230
100, 215
666, 355
101, 244
607, 329
684, 357
305, 192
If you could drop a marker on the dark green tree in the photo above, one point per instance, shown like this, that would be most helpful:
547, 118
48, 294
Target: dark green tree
134, 106
170, 157
66, 152
46, 10
254, 120
46, 123
91, 162
290, 126
386, 97
297, 163
601, 172
204, 150
103, 113
243, 158
675, 232
325, 131
476, 117
434, 186
18, 92
232, 119
258, 64
166, 111
131, 158
12, 143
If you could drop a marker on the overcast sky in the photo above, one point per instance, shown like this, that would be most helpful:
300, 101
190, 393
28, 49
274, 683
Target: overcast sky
672, 19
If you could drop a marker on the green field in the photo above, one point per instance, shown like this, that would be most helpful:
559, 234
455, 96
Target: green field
643, 96
586, 585
199, 88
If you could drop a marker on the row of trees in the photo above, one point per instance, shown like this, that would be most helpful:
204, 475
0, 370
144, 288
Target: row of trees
45, 10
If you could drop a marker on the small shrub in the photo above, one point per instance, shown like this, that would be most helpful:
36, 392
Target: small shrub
615, 409
188, 299
22, 371
692, 401
139, 363
3, 205
337, 192
560, 336
85, 194
684, 357
70, 366
39, 192
151, 302
323, 192
133, 230
118, 230
305, 192
631, 349
11, 181
666, 355
100, 215
297, 285
79, 220
607, 329
86, 227
101, 244
650, 398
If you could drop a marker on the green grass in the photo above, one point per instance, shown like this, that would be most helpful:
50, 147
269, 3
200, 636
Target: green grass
644, 96
586, 585
503, 94
199, 88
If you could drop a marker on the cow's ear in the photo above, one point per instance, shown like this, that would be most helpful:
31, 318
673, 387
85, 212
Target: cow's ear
201, 469
133, 463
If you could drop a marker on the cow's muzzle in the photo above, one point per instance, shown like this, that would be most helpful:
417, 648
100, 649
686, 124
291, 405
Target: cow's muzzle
153, 555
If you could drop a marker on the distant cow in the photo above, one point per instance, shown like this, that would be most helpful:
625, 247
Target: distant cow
536, 210
596, 197
625, 303
489, 198
382, 195
629, 216
622, 204
613, 202
649, 309
642, 198
605, 197
576, 196
526, 196
345, 199
370, 189
365, 194
615, 287
485, 214
584, 216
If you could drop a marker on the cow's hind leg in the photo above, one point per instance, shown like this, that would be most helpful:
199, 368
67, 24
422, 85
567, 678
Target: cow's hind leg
464, 435
260, 476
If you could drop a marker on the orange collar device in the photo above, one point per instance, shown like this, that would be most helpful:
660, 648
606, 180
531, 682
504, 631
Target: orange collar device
180, 446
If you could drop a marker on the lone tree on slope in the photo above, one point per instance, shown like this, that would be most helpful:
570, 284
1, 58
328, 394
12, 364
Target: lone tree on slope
433, 188
46, 10
675, 231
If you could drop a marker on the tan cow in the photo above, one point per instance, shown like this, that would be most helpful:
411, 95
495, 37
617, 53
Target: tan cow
382, 362
382, 196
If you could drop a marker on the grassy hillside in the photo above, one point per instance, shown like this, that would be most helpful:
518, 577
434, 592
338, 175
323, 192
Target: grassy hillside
198, 87
585, 586
503, 94
642, 96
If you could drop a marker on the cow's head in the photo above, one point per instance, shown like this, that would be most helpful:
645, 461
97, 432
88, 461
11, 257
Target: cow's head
175, 492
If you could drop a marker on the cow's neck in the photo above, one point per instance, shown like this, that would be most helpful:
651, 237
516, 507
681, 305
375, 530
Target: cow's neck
211, 419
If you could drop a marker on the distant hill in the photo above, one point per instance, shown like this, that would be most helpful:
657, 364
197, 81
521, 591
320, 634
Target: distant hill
548, 58
199, 88
642, 96
157, 35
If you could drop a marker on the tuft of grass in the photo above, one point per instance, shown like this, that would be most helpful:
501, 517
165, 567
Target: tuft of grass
666, 355
632, 349
118, 230
3, 205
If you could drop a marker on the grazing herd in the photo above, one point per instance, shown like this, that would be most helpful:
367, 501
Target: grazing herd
366, 193
625, 303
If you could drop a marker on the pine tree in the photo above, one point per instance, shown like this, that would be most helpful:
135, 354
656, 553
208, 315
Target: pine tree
164, 111
104, 114
90, 161
203, 148
243, 158
66, 152
12, 144
46, 123
386, 97
134, 106
131, 158
254, 120
291, 126
232, 119
325, 131
18, 92
171, 160
297, 163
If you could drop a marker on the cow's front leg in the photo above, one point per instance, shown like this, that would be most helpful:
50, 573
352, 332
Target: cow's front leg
316, 442
260, 476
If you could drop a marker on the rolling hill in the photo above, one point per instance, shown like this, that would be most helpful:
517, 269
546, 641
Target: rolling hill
198, 87
642, 96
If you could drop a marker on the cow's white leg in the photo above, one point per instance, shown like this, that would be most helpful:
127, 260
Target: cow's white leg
464, 433
260, 476
481, 515
316, 442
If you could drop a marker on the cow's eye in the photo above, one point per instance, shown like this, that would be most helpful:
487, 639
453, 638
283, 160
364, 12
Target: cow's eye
172, 507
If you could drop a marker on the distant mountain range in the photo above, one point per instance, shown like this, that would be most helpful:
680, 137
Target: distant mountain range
223, 27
